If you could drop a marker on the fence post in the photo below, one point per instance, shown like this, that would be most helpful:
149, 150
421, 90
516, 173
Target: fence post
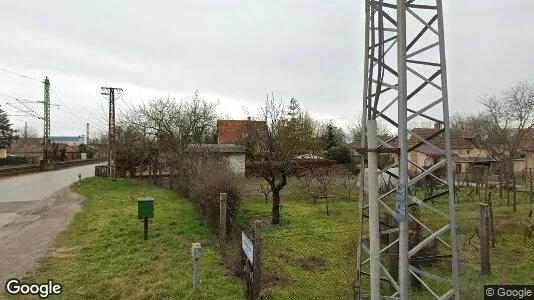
256, 257
484, 239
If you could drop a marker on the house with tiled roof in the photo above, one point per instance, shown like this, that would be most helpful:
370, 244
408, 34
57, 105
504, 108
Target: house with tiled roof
464, 151
232, 134
236, 131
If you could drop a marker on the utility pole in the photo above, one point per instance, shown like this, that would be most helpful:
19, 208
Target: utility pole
112, 167
25, 129
46, 135
405, 82
87, 137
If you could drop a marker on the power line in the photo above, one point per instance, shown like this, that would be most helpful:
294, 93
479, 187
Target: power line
29, 113
24, 76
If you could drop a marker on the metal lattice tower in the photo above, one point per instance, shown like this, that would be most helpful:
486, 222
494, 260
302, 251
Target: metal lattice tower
405, 83
112, 167
46, 135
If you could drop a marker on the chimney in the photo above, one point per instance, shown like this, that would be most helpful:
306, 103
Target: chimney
437, 126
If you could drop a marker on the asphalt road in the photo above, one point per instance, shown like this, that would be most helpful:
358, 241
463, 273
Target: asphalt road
37, 186
34, 209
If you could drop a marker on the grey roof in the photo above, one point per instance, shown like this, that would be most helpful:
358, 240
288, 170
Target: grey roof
430, 151
221, 148
66, 138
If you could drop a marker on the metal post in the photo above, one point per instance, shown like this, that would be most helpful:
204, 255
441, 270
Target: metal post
374, 212
196, 250
46, 135
362, 162
403, 146
195, 273
145, 232
448, 151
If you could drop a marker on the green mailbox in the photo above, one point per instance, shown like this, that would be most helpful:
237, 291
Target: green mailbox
145, 210
145, 207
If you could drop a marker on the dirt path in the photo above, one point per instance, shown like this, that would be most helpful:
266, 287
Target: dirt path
28, 229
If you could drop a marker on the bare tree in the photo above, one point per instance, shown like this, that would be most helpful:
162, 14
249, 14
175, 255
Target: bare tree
349, 182
264, 189
169, 127
273, 149
509, 116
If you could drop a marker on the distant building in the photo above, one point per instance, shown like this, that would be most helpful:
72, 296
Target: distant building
61, 148
27, 147
69, 140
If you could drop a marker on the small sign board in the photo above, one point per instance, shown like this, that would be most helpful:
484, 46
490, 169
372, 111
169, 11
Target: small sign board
400, 210
247, 246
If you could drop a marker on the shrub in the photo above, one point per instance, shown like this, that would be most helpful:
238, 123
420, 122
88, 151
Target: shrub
13, 160
339, 154
210, 177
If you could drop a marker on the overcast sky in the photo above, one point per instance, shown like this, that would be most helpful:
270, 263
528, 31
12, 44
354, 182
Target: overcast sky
236, 51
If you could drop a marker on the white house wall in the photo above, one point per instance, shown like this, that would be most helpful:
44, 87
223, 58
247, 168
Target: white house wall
236, 163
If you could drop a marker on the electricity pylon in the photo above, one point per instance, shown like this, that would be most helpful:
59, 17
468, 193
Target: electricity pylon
46, 135
112, 167
405, 82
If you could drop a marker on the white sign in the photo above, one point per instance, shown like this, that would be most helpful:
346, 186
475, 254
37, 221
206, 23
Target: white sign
247, 246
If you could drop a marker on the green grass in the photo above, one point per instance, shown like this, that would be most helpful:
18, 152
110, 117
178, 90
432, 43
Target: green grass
306, 234
103, 254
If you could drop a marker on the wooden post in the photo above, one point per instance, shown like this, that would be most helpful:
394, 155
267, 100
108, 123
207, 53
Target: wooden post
483, 231
530, 191
222, 216
256, 256
491, 220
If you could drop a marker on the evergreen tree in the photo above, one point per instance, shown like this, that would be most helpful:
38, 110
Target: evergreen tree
6, 132
331, 139
294, 108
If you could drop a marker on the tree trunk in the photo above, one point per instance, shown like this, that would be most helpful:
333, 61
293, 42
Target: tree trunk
514, 199
500, 183
276, 207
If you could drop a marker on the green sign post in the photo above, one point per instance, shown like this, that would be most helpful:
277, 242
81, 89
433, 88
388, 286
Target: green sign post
145, 210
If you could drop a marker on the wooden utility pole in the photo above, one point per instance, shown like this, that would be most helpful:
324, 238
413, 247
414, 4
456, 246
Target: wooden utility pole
112, 167
484, 232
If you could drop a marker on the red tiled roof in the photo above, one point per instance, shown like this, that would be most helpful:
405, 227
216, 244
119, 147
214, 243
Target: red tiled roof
233, 131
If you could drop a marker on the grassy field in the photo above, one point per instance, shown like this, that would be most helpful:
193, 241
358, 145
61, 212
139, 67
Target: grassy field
103, 254
312, 255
